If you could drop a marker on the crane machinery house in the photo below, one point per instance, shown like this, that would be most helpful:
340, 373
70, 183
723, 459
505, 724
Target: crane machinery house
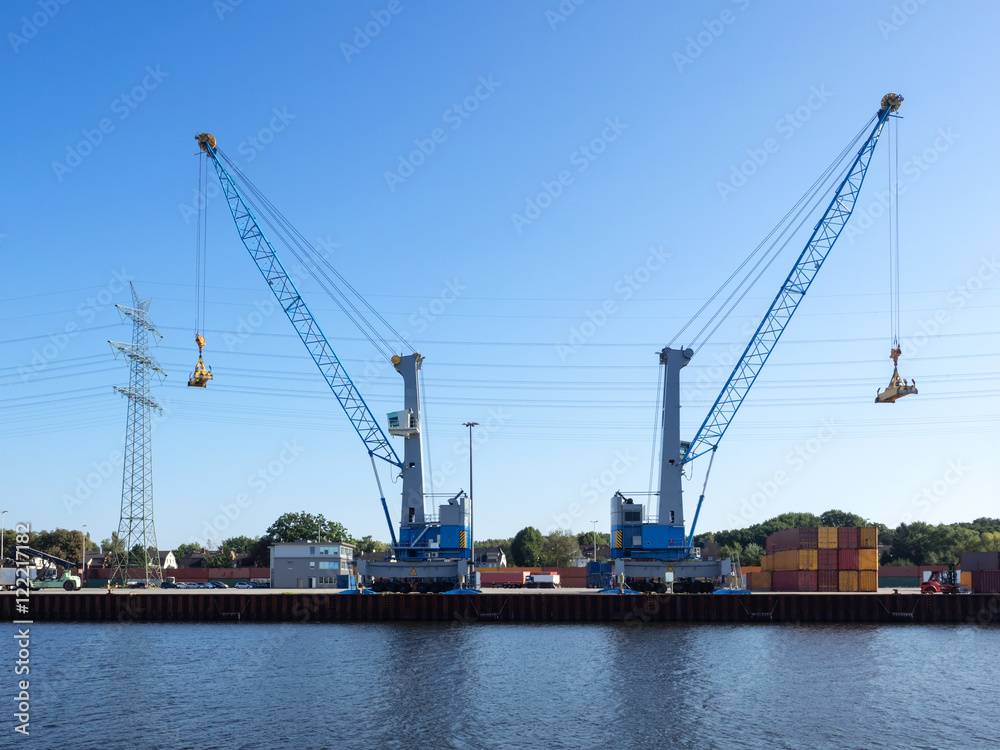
312, 565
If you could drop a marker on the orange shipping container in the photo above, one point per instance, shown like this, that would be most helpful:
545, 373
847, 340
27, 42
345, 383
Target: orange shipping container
868, 579
759, 581
867, 559
848, 580
827, 537
868, 537
795, 559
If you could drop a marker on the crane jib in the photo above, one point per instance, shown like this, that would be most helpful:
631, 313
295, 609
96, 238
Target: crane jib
824, 235
302, 319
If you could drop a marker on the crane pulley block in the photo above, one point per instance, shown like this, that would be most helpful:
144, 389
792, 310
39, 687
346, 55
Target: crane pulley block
201, 375
898, 387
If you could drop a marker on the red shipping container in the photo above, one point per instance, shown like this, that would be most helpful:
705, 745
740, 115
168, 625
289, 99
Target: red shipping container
793, 580
827, 560
847, 559
847, 538
827, 580
986, 581
803, 538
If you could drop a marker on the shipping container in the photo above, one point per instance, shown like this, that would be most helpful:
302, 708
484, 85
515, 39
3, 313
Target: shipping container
897, 582
867, 559
986, 581
827, 580
847, 580
847, 559
826, 559
827, 537
804, 538
980, 561
868, 580
966, 579
793, 580
795, 559
759, 581
767, 563
868, 537
899, 571
504, 579
750, 568
847, 537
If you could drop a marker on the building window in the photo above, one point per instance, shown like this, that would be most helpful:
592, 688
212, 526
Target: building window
312, 563
291, 564
312, 550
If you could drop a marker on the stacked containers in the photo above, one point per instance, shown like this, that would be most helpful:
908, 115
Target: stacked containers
793, 556
823, 559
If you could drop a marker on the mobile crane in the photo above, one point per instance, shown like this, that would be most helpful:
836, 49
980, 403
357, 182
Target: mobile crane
47, 578
651, 551
430, 554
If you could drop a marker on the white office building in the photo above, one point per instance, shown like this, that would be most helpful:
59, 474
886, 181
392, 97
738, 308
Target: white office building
310, 565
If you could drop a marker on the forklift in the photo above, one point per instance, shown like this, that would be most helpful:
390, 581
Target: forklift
944, 582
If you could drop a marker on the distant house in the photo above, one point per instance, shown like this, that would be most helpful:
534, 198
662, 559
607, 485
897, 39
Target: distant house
710, 551
200, 559
490, 557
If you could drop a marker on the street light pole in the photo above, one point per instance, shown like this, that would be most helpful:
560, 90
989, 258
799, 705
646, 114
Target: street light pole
595, 540
472, 517
83, 557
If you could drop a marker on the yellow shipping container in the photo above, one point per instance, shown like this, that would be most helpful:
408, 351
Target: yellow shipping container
796, 559
867, 559
827, 537
867, 579
967, 579
848, 580
868, 537
767, 563
786, 560
759, 581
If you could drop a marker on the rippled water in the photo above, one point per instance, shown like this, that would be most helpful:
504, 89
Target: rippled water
508, 686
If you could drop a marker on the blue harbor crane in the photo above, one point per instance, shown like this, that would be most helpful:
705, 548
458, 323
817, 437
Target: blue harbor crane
430, 554
651, 550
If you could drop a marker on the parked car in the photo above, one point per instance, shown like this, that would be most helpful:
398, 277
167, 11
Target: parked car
218, 585
171, 585
243, 585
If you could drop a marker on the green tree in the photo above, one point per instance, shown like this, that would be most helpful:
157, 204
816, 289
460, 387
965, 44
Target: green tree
526, 549
751, 554
241, 545
841, 518
291, 527
586, 538
260, 553
560, 550
367, 544
62, 543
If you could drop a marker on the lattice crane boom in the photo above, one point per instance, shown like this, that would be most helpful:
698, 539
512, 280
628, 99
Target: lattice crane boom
790, 295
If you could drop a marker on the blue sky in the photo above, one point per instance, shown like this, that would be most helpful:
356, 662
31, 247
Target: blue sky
643, 118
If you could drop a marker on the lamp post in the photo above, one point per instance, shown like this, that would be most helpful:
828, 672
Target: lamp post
83, 556
595, 540
1, 543
472, 521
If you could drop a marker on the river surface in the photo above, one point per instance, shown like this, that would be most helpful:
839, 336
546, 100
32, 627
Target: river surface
505, 686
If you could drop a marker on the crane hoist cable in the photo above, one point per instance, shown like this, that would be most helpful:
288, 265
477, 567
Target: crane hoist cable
771, 246
898, 387
201, 375
318, 267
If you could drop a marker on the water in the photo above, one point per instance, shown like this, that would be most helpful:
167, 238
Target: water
506, 686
